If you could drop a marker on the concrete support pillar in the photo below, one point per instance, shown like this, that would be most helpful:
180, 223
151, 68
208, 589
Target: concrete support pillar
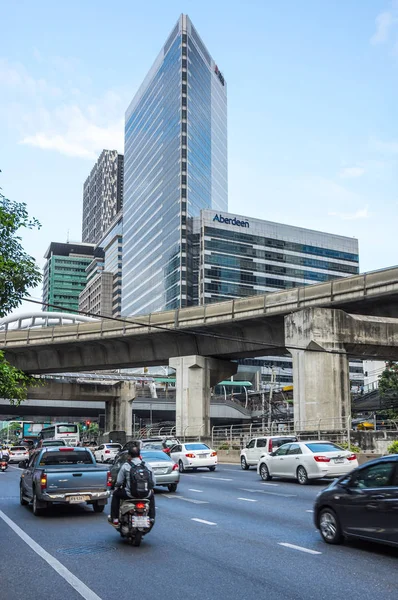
119, 410
321, 384
195, 376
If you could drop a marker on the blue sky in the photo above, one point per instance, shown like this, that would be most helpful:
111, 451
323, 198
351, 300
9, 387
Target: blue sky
312, 107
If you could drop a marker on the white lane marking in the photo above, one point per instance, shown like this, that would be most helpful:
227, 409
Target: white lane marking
193, 490
73, 581
294, 547
185, 499
310, 511
248, 499
270, 484
216, 478
269, 493
203, 521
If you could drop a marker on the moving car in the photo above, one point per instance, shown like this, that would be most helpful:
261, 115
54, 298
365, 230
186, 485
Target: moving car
64, 474
164, 469
107, 452
307, 460
18, 453
194, 455
363, 504
257, 447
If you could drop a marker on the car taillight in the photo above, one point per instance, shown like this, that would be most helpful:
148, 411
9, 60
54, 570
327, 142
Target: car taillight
107, 451
167, 450
109, 479
213, 454
64, 449
43, 481
321, 458
270, 446
352, 457
190, 455
175, 467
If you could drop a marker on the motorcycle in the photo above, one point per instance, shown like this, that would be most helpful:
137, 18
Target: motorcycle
134, 521
3, 465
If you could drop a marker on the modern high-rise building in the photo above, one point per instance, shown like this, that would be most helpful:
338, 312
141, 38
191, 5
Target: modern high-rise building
64, 275
102, 294
102, 196
175, 165
238, 256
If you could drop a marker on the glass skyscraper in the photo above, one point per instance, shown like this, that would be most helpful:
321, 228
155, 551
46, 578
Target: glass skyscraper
175, 165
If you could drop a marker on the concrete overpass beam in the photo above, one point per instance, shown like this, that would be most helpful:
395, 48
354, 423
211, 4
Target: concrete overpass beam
119, 410
195, 376
321, 384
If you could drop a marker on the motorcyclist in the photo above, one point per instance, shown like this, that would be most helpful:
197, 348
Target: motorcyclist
4, 454
122, 488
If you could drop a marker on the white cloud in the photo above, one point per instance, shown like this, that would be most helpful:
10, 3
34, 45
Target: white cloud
15, 76
361, 213
389, 147
72, 132
351, 172
384, 23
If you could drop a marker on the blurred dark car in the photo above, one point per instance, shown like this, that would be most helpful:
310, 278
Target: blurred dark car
363, 504
165, 470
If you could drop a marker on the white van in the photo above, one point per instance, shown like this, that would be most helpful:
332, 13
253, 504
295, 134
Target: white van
257, 447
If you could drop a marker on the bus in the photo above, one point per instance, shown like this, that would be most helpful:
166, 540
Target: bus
68, 432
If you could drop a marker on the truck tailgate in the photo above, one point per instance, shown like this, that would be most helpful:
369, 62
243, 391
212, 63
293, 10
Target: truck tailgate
74, 479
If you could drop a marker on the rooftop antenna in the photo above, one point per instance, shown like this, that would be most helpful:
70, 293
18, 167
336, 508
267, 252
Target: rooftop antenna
67, 237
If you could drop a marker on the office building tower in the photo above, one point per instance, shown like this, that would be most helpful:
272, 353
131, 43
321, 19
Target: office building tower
237, 256
64, 275
175, 165
102, 294
102, 196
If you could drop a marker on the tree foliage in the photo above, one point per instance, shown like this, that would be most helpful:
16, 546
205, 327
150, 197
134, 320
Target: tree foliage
18, 270
14, 383
388, 380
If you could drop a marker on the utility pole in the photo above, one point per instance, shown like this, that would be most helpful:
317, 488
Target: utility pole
271, 390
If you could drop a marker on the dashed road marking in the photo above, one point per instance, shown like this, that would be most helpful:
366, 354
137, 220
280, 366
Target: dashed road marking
203, 521
73, 581
270, 484
269, 493
193, 490
300, 548
248, 499
216, 478
310, 511
192, 500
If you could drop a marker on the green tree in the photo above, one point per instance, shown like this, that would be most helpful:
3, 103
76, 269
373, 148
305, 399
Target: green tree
18, 272
388, 380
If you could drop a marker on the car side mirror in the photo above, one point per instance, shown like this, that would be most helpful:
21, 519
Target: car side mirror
272, 453
23, 464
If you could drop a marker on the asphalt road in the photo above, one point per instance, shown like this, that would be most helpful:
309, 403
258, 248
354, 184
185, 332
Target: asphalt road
221, 536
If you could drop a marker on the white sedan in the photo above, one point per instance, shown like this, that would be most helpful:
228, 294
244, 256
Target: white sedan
18, 453
193, 455
107, 452
307, 460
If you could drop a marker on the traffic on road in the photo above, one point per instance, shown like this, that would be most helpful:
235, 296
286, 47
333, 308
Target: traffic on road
227, 530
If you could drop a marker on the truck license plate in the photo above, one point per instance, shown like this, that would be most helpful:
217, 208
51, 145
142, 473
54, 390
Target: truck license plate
140, 521
78, 499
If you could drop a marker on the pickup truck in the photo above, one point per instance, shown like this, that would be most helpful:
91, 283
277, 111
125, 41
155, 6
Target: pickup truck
65, 475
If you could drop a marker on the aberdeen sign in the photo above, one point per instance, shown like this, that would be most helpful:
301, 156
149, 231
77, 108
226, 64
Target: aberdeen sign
229, 221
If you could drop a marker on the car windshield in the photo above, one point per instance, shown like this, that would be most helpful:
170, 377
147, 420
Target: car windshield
18, 449
196, 447
66, 428
54, 443
66, 458
113, 446
152, 446
323, 447
154, 456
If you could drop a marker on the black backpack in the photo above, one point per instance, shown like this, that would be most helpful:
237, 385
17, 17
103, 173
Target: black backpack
141, 480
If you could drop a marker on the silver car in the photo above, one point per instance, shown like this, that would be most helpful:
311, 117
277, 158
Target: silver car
164, 469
